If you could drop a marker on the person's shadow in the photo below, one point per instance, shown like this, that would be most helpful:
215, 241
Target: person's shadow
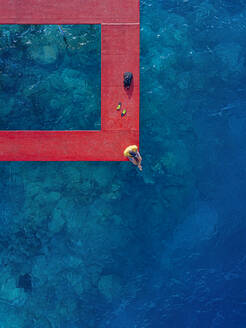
129, 91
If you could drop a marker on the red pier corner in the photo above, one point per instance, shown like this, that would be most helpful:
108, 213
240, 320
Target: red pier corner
119, 21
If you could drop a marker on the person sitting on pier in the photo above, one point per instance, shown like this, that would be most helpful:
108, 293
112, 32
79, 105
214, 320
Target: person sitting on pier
132, 153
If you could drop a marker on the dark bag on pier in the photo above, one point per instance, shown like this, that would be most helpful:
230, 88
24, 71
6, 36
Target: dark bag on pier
128, 76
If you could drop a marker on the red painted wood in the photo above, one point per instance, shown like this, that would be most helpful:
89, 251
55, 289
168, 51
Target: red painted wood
65, 145
69, 11
120, 53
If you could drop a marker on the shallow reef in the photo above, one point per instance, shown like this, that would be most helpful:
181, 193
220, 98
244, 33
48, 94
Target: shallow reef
46, 82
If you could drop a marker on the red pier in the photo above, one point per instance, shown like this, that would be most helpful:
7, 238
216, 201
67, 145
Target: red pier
119, 21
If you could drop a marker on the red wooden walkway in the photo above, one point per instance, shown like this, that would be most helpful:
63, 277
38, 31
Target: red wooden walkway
119, 21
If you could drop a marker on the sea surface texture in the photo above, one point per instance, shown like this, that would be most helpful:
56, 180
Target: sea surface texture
50, 77
103, 245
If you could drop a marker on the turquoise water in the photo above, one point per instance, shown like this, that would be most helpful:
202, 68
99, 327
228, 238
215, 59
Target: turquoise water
48, 83
100, 245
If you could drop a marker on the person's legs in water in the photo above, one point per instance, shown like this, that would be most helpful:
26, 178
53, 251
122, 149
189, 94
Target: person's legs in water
136, 159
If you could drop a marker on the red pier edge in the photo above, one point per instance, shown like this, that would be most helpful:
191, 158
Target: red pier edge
119, 21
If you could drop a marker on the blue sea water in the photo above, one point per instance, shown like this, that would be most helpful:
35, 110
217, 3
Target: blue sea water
50, 77
101, 245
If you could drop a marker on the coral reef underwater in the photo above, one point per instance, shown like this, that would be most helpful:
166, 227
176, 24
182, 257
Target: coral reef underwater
101, 245
46, 82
